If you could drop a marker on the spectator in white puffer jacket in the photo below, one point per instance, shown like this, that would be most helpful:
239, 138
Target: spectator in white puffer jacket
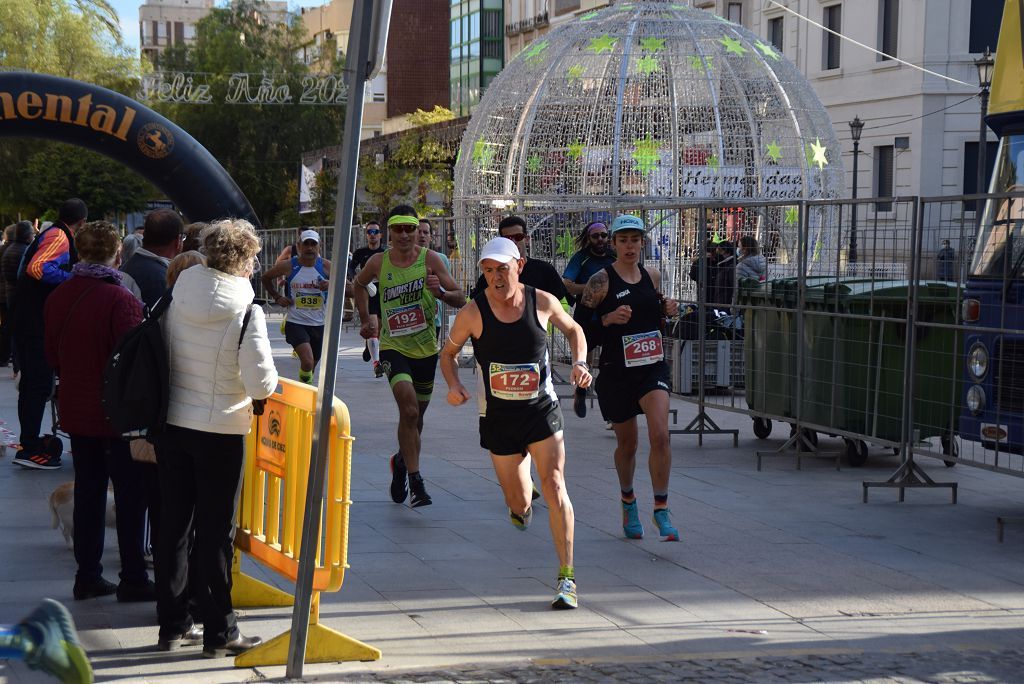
212, 381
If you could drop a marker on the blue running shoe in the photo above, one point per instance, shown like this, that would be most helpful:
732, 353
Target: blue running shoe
55, 647
565, 598
631, 521
665, 529
521, 521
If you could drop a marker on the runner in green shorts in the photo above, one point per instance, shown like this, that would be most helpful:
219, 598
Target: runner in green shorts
411, 280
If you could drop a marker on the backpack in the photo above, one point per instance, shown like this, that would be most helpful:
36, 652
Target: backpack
136, 379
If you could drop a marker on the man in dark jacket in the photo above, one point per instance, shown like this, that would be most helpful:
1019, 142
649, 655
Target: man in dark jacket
146, 270
9, 262
47, 264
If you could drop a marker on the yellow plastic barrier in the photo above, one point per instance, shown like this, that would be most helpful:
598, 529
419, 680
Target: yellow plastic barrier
270, 514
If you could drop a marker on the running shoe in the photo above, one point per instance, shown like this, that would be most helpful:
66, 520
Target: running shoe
535, 494
579, 402
37, 461
398, 489
631, 521
378, 370
665, 529
56, 649
418, 493
565, 598
521, 522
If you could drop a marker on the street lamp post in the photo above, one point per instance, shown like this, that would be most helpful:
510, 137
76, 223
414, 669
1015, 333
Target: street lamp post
856, 126
985, 64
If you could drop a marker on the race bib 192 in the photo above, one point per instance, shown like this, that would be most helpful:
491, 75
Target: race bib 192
406, 320
514, 381
642, 349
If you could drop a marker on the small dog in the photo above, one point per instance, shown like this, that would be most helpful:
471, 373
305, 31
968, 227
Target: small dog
62, 511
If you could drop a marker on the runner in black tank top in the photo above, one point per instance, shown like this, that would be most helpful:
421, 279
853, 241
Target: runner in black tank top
515, 372
519, 414
634, 377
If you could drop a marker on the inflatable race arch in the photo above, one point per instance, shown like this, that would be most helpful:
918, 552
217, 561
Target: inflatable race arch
42, 106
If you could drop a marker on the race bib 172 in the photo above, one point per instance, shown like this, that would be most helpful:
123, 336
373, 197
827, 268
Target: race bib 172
515, 381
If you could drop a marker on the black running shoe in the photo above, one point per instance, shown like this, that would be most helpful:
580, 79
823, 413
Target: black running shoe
398, 489
366, 353
418, 493
579, 402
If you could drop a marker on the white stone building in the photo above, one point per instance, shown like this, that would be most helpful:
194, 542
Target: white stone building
163, 23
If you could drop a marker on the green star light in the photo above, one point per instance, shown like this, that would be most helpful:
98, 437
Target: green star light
603, 44
774, 151
566, 244
818, 244
652, 44
733, 45
818, 154
647, 65
574, 72
536, 51
589, 15
576, 149
699, 63
713, 163
646, 154
792, 216
482, 153
767, 50
533, 163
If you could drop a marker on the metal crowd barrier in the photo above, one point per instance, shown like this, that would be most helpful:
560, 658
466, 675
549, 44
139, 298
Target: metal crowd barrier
270, 520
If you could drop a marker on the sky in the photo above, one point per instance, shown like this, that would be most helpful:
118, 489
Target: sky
128, 13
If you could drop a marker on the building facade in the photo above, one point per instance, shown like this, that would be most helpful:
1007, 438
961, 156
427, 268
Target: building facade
163, 23
414, 72
526, 20
921, 131
477, 40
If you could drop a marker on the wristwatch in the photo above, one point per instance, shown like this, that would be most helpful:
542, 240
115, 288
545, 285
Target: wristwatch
443, 291
582, 364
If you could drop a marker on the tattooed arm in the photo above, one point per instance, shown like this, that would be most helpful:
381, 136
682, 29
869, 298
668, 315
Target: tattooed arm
595, 290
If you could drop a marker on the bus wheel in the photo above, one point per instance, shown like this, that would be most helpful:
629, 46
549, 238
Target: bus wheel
762, 428
949, 448
856, 452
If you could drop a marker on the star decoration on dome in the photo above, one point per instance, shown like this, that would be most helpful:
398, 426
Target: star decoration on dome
701, 62
603, 44
774, 151
566, 244
645, 154
652, 44
576, 149
533, 163
589, 15
817, 151
575, 72
818, 244
483, 154
536, 51
792, 216
713, 162
647, 65
733, 45
767, 50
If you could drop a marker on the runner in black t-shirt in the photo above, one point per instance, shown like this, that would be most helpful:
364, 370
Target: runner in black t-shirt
371, 352
634, 377
536, 272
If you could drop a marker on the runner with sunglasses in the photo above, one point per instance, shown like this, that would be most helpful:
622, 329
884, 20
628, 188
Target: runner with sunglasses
411, 281
536, 272
356, 264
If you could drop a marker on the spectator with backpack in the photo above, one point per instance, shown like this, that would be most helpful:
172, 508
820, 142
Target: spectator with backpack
145, 273
85, 318
219, 357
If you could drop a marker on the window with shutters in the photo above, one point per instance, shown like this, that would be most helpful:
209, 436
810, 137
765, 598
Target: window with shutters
775, 32
884, 176
832, 20
888, 27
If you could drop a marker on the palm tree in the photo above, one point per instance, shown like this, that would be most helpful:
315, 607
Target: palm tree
104, 12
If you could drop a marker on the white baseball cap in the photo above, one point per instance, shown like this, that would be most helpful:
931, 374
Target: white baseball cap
500, 249
309, 235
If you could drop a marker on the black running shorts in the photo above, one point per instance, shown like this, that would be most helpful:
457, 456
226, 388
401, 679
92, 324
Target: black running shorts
313, 335
620, 389
420, 372
510, 433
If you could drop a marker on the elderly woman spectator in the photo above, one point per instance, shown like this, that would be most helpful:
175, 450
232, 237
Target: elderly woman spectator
216, 367
751, 264
85, 318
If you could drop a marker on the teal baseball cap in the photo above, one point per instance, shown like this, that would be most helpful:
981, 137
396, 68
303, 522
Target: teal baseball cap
627, 222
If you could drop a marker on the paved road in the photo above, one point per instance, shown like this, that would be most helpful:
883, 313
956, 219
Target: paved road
776, 568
